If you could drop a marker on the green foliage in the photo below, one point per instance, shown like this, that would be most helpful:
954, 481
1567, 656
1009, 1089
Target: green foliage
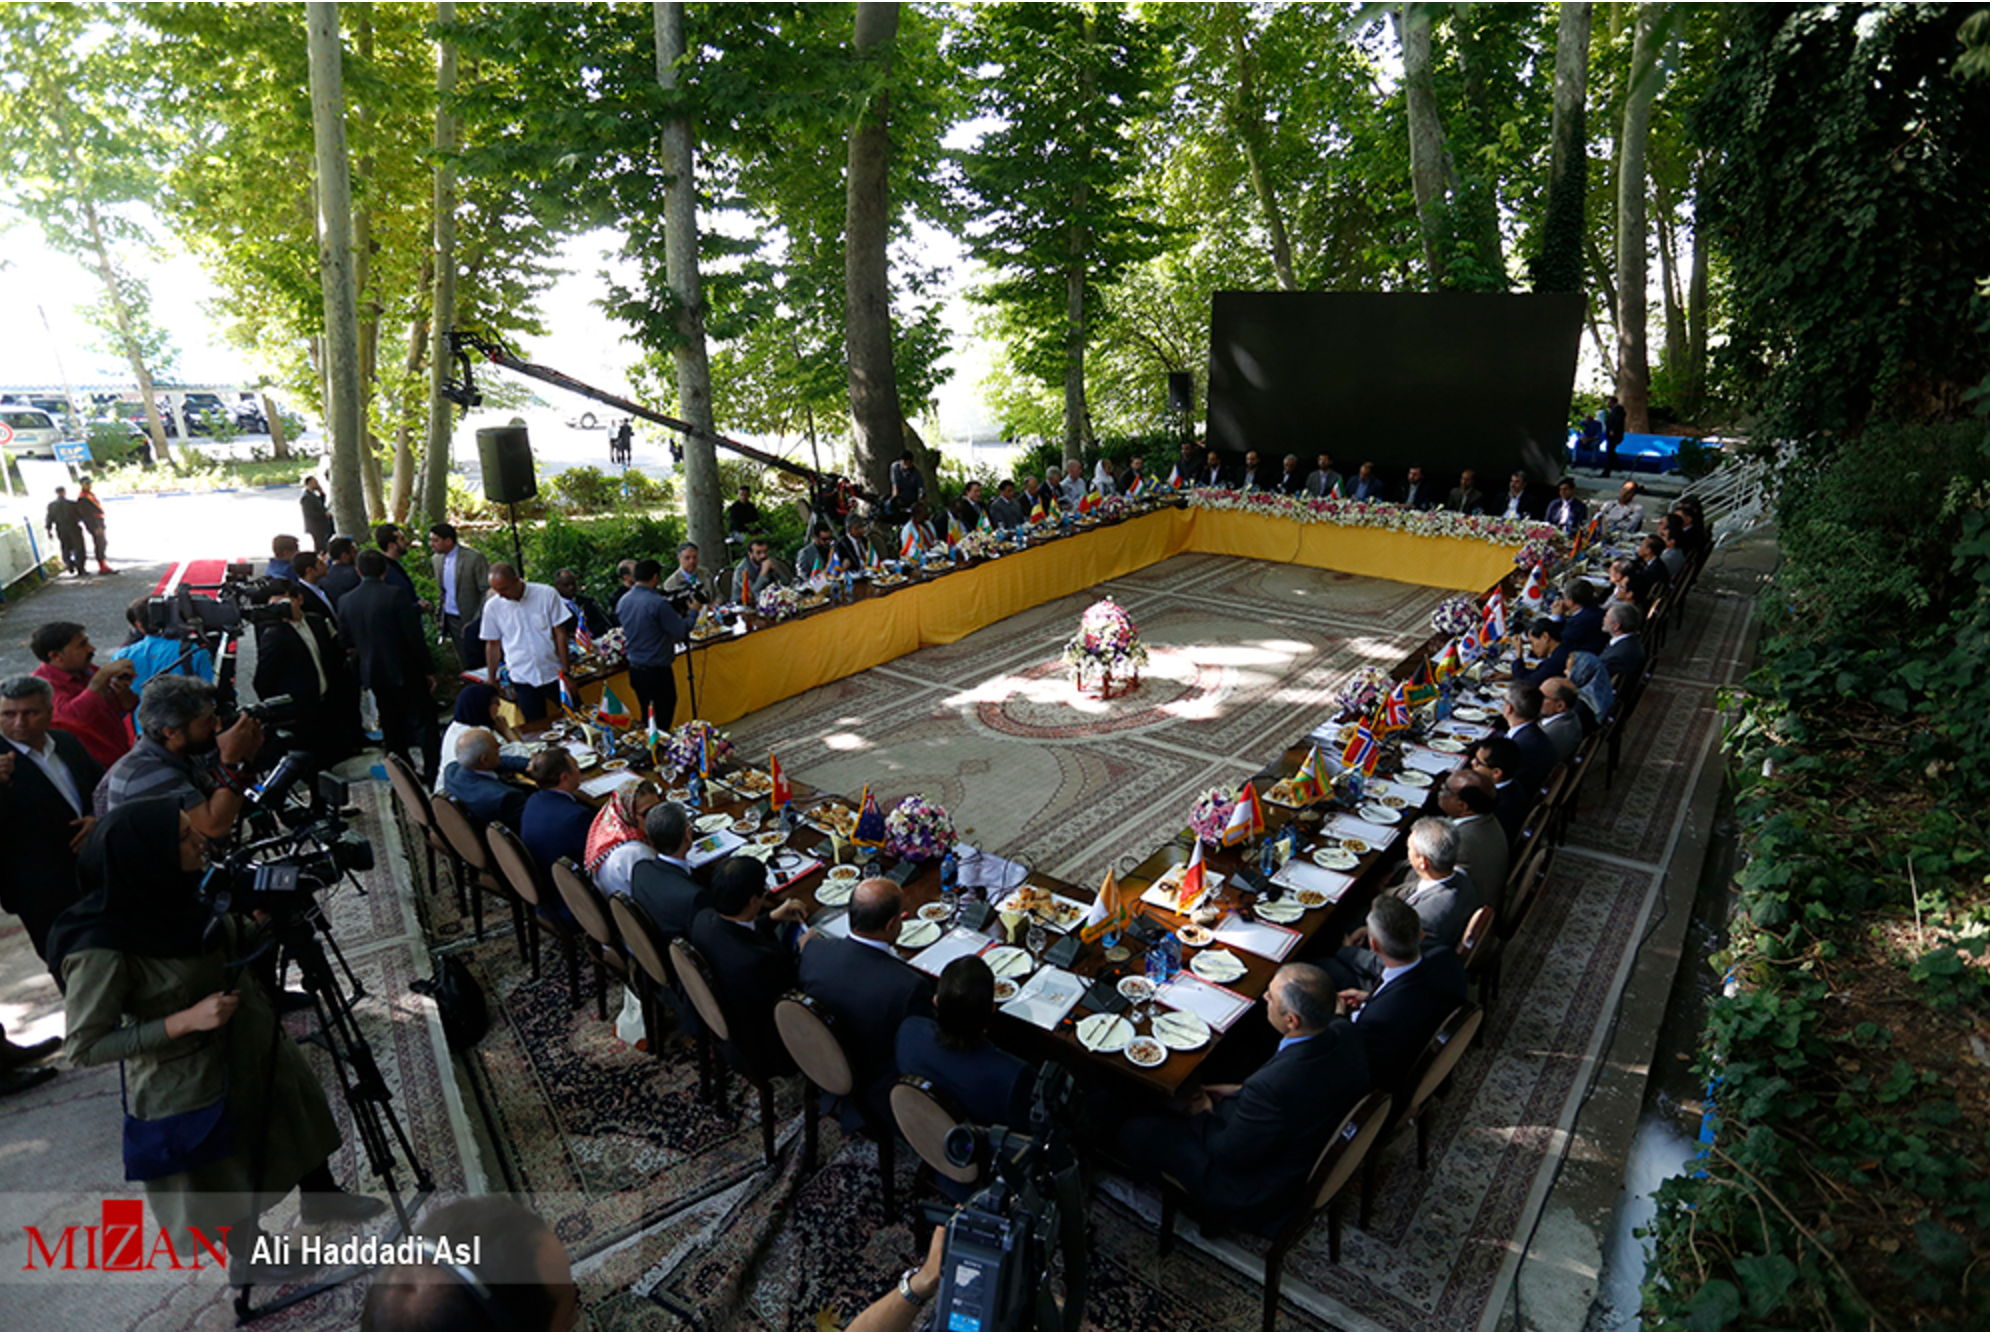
592, 547
111, 443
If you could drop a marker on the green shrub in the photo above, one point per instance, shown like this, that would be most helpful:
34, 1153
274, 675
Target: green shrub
592, 547
111, 443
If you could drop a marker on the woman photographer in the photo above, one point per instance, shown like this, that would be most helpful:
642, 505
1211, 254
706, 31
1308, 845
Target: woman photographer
211, 1083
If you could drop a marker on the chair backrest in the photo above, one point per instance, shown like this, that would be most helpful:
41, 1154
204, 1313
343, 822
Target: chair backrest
1447, 1046
414, 800
1528, 876
639, 936
1477, 930
1348, 1148
811, 1040
463, 836
515, 864
694, 977
585, 901
925, 1116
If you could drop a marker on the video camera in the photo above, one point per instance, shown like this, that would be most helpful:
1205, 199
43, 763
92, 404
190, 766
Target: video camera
1000, 1245
281, 873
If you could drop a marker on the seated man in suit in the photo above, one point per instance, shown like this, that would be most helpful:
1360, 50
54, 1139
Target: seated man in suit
1367, 485
1418, 493
47, 783
814, 557
1514, 503
1626, 514
1419, 987
1291, 481
1134, 477
1245, 1149
760, 570
473, 779
1624, 655
1466, 497
1211, 473
1007, 510
555, 821
1580, 609
951, 1049
1442, 895
662, 885
1522, 709
1321, 481
869, 993
1255, 476
688, 577
1544, 640
1499, 759
1560, 721
751, 965
1565, 511
1467, 797
1651, 559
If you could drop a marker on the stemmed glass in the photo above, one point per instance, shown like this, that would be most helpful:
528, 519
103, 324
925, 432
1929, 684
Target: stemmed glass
1036, 939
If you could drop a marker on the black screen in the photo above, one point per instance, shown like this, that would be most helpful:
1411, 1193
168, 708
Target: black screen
1446, 380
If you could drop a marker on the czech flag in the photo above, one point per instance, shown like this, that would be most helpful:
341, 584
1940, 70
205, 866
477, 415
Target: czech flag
1246, 819
610, 711
1494, 622
781, 797
1362, 752
1535, 594
1175, 477
1193, 883
870, 822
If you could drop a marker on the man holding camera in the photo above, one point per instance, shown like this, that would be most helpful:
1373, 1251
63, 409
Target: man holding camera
183, 755
652, 627
154, 651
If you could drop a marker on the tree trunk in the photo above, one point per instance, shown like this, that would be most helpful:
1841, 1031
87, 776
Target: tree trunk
1693, 383
279, 438
341, 345
876, 417
1476, 203
404, 426
368, 300
1668, 283
1427, 165
1077, 418
1247, 119
1633, 356
1558, 264
703, 512
441, 413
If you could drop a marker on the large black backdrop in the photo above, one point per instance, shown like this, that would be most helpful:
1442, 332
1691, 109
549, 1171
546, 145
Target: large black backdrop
1446, 380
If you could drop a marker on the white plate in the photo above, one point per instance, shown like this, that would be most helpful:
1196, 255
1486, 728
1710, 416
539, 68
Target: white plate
1137, 988
1282, 912
1009, 962
1472, 714
1104, 1033
774, 838
1217, 964
917, 933
934, 911
1444, 744
1411, 777
845, 874
1374, 813
711, 823
1181, 1031
1006, 989
1335, 858
835, 892
1147, 1052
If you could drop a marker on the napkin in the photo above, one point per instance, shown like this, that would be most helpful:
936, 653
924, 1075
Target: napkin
1181, 1030
1219, 1007
1375, 834
1046, 998
1216, 964
956, 943
1257, 936
608, 782
1104, 1033
1300, 873
1284, 911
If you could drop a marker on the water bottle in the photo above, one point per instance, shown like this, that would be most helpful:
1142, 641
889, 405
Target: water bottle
949, 872
1171, 950
1157, 963
694, 791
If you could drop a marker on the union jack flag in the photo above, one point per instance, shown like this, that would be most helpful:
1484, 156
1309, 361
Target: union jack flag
1396, 708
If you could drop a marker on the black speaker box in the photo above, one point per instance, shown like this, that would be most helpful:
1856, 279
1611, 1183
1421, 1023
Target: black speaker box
505, 453
1181, 391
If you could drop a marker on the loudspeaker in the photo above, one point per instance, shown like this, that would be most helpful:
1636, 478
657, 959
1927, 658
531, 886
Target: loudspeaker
1181, 391
506, 455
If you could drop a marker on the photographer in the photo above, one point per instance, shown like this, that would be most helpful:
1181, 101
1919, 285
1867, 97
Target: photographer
148, 979
652, 627
91, 701
183, 755
154, 650
899, 1309
300, 658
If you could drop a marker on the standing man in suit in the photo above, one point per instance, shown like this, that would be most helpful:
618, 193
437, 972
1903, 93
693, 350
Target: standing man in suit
47, 781
1522, 709
1320, 482
1467, 797
1613, 431
317, 514
1248, 1147
464, 577
952, 1051
383, 625
1442, 895
301, 659
1465, 497
393, 543
662, 885
1514, 505
1623, 656
1418, 493
341, 571
868, 991
1419, 987
1565, 511
751, 966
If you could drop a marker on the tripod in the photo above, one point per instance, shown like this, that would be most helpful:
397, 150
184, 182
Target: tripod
366, 1093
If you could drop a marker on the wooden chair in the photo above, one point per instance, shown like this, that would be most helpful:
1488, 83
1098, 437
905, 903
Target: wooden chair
1448, 1044
806, 1030
590, 909
1478, 953
1628, 698
527, 882
1345, 1153
650, 977
694, 978
925, 1116
416, 821
475, 873
1524, 884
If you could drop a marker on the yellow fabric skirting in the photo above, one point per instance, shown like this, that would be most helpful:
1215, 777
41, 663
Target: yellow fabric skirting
744, 674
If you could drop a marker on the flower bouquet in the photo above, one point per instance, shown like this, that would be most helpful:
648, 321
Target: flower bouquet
978, 544
1454, 615
918, 830
1210, 814
778, 603
1360, 695
1535, 551
1106, 642
680, 751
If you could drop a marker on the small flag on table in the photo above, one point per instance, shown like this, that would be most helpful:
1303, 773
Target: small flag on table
1175, 477
1447, 663
1535, 594
704, 755
1193, 882
1108, 913
870, 822
910, 550
581, 638
1334, 492
611, 711
1246, 817
954, 530
1494, 624
567, 699
1312, 780
781, 797
1396, 708
1421, 689
652, 737
1362, 751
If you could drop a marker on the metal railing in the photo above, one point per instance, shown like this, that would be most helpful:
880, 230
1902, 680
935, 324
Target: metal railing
1738, 497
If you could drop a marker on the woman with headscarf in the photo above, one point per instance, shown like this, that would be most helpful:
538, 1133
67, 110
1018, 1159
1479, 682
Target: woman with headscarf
1592, 682
149, 977
616, 843
1102, 481
476, 709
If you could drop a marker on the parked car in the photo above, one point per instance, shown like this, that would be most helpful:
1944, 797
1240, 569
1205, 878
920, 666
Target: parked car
31, 432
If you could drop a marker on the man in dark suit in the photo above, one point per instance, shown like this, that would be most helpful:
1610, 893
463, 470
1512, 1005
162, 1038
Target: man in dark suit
663, 887
1246, 1148
1580, 608
1291, 481
1466, 497
1544, 640
301, 659
1211, 473
383, 625
868, 991
341, 575
1565, 511
751, 966
1418, 493
1367, 485
952, 1051
393, 543
1419, 988
555, 822
1441, 893
1562, 712
1499, 759
1514, 504
47, 781
1623, 656
1522, 709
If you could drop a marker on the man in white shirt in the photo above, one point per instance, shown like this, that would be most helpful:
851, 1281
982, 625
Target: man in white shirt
525, 631
1626, 514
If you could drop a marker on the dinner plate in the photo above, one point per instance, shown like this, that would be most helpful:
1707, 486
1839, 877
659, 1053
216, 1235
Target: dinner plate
1444, 744
1334, 858
746, 827
1009, 962
1281, 912
1311, 898
680, 793
1147, 1052
1378, 813
844, 874
1195, 936
1006, 989
774, 838
834, 892
711, 823
934, 911
1104, 1033
1181, 1031
1355, 846
1137, 988
1412, 777
615, 765
917, 934
1217, 964
1472, 714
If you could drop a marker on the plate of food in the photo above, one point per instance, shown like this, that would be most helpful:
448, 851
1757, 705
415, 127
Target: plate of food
1058, 913
1355, 845
746, 827
835, 892
1279, 911
1195, 936
774, 838
707, 635
1445, 744
832, 818
1394, 802
748, 782
936, 911
844, 874
1006, 989
680, 793
614, 765
1104, 1033
1335, 858
1137, 988
918, 933
1286, 791
711, 823
1472, 714
1008, 961
1146, 1052
1181, 1031
1311, 898
1379, 813
1217, 964
888, 580
1411, 777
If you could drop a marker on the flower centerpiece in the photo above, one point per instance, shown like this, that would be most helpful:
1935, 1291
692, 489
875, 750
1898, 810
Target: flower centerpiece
1359, 696
917, 829
680, 751
1454, 615
1210, 814
1106, 642
979, 544
611, 648
1535, 551
778, 602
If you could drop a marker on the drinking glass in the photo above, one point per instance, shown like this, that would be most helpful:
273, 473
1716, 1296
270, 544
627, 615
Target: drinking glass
1035, 940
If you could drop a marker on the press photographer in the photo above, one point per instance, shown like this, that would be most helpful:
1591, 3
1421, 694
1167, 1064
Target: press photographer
185, 756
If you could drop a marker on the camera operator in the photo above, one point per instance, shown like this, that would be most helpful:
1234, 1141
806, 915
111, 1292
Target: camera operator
148, 979
652, 627
154, 650
899, 1309
183, 755
299, 657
